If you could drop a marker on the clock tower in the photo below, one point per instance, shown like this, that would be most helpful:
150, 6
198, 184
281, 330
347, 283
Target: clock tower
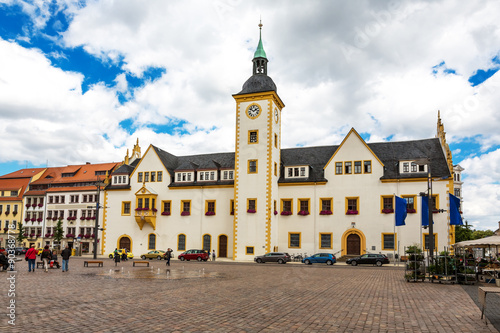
257, 162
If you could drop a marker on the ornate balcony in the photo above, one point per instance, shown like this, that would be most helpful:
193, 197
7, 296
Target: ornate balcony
146, 215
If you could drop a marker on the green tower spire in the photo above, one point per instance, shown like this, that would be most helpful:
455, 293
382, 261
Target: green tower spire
260, 53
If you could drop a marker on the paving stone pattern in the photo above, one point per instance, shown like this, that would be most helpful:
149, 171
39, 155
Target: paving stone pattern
234, 297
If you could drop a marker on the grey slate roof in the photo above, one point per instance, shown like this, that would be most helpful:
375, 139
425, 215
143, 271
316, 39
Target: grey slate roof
258, 83
390, 153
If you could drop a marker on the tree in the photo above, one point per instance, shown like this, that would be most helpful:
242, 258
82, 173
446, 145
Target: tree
20, 238
477, 234
58, 231
463, 232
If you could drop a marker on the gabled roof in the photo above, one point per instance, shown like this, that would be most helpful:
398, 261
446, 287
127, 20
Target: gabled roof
315, 157
18, 185
24, 173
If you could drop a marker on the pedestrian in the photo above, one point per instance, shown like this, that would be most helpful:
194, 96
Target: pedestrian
117, 257
31, 257
213, 255
168, 255
65, 254
4, 262
53, 260
46, 256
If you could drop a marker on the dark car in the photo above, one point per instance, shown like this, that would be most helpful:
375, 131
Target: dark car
279, 257
373, 259
194, 255
19, 250
322, 258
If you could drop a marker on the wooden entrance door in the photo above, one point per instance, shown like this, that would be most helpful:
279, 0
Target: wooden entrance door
125, 243
223, 246
353, 244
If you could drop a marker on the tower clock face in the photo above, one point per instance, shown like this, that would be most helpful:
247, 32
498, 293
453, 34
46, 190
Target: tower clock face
253, 111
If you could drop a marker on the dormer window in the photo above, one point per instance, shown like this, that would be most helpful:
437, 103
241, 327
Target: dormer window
207, 175
297, 172
228, 175
184, 176
411, 167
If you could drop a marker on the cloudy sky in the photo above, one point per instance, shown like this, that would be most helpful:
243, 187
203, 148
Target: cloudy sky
83, 80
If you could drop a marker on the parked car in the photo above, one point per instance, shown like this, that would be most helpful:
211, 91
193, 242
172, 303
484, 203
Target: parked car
19, 250
279, 257
374, 259
194, 255
322, 258
158, 254
121, 252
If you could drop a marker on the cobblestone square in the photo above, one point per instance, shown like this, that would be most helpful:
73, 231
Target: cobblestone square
225, 296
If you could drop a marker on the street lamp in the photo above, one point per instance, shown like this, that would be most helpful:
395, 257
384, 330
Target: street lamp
427, 161
98, 184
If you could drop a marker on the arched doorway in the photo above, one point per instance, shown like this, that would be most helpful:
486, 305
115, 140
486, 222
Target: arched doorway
223, 246
125, 243
353, 244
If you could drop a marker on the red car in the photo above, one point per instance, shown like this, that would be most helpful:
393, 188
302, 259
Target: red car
194, 255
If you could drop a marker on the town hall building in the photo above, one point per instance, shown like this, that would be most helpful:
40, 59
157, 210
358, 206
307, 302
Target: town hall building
262, 197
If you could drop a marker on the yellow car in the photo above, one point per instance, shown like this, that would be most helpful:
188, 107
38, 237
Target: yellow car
121, 252
158, 254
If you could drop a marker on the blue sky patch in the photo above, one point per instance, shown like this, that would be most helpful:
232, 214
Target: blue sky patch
441, 67
469, 147
365, 136
482, 75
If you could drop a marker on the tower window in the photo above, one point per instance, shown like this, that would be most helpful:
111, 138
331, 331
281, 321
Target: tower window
252, 166
253, 137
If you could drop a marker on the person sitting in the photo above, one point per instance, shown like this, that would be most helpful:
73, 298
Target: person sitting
53, 261
4, 262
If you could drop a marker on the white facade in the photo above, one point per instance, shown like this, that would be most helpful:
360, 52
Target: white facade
338, 199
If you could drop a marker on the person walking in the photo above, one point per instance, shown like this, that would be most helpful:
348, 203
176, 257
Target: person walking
213, 255
65, 254
46, 256
31, 257
117, 257
168, 255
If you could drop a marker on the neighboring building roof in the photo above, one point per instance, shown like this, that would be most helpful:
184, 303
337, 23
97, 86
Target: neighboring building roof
18, 185
23, 173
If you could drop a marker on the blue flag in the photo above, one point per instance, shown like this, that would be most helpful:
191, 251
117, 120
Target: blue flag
400, 211
455, 217
425, 211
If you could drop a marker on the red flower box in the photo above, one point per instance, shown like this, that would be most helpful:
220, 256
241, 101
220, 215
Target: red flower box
410, 210
285, 213
165, 213
185, 213
275, 212
209, 213
325, 212
352, 212
251, 211
387, 210
303, 213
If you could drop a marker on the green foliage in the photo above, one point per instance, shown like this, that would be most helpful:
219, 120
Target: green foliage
20, 238
58, 232
477, 234
465, 233
414, 249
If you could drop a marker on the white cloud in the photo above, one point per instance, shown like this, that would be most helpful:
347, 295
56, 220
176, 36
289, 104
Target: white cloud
337, 65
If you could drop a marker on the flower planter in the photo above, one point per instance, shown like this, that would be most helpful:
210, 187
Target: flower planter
165, 213
303, 213
352, 212
185, 213
411, 210
286, 213
209, 213
325, 212
251, 211
388, 211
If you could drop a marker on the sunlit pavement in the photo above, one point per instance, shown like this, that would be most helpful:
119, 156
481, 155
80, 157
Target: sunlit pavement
227, 296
